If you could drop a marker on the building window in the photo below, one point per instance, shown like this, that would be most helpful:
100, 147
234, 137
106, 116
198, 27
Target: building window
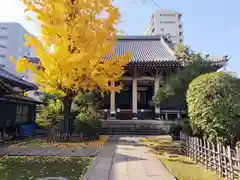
2, 57
3, 29
180, 26
162, 29
180, 33
179, 17
153, 30
168, 15
3, 37
21, 114
168, 22
1, 60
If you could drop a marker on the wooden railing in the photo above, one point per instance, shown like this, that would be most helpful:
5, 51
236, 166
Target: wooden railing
214, 156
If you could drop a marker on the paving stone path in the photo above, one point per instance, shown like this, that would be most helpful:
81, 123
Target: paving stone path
126, 158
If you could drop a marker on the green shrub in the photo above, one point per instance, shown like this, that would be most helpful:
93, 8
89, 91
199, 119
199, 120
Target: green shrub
87, 121
190, 129
175, 129
214, 105
87, 126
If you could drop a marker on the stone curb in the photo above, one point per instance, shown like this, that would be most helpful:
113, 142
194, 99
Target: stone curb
91, 168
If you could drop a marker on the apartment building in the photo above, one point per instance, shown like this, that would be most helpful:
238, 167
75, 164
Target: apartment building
12, 44
168, 23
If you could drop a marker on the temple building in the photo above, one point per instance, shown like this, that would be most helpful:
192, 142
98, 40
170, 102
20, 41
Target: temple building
153, 61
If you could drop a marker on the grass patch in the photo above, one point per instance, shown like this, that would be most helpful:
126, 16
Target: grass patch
171, 155
71, 144
28, 167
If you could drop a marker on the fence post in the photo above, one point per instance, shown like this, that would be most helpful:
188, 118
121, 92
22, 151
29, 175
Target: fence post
187, 146
194, 149
238, 161
201, 150
219, 155
214, 156
225, 165
197, 143
230, 162
191, 147
205, 153
209, 155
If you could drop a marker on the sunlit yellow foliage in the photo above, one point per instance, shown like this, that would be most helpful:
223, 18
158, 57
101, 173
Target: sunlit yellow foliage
76, 37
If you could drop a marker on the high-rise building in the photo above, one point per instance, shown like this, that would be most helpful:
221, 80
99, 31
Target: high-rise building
168, 23
12, 44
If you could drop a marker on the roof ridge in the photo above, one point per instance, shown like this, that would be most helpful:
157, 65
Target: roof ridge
166, 46
139, 37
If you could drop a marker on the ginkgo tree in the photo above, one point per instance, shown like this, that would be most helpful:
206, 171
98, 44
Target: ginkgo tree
75, 48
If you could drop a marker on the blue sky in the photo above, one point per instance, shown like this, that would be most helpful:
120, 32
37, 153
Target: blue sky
210, 26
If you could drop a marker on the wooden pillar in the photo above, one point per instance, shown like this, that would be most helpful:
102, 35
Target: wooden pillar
1, 136
166, 116
156, 87
178, 116
112, 103
134, 98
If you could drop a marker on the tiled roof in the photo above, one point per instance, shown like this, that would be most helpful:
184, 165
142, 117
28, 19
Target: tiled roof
217, 60
147, 49
23, 98
144, 48
9, 76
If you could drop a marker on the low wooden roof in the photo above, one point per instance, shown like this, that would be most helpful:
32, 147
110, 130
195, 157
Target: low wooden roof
13, 79
22, 98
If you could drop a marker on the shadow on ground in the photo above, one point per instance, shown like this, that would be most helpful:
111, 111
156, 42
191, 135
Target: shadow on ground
125, 143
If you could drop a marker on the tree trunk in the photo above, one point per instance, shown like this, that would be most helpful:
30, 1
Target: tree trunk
66, 113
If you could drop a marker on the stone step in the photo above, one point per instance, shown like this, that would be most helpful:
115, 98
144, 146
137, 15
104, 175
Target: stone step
132, 133
121, 131
135, 127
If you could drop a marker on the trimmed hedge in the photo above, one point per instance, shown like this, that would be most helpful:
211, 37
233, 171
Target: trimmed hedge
214, 105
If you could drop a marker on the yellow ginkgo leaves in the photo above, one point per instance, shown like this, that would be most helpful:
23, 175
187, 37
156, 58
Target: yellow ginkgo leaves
74, 40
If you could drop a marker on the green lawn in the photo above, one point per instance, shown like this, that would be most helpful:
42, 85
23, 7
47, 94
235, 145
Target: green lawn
171, 155
41, 142
37, 143
32, 167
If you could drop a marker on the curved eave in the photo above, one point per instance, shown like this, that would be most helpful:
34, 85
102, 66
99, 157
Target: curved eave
154, 64
21, 83
169, 64
22, 99
15, 80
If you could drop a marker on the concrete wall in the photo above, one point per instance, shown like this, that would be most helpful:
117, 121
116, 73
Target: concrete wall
12, 44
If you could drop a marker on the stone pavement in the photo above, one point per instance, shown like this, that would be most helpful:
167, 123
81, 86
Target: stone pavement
125, 158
